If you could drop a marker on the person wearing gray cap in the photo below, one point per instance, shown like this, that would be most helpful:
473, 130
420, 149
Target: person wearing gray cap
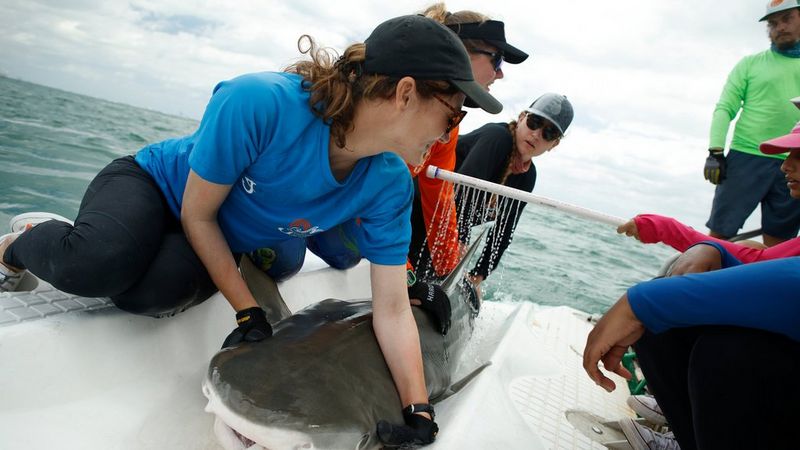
502, 153
756, 90
280, 160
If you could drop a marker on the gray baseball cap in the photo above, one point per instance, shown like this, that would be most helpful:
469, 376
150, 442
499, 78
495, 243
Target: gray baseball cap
774, 6
555, 108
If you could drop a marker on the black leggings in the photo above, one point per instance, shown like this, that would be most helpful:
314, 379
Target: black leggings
126, 244
725, 387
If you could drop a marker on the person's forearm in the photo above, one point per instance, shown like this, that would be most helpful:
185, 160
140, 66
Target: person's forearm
730, 101
720, 121
209, 243
760, 295
398, 338
654, 228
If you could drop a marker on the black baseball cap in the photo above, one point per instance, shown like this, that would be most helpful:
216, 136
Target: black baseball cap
419, 47
492, 32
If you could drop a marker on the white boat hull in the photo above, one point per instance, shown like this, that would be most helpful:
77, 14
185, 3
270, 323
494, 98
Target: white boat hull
96, 377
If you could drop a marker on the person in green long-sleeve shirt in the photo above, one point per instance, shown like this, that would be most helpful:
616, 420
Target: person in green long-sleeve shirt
760, 86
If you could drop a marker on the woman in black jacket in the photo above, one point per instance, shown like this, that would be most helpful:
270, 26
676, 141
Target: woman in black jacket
502, 153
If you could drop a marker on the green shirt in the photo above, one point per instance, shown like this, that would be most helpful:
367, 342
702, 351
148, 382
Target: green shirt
761, 86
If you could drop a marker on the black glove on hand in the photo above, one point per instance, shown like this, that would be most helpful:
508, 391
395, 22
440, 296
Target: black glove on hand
714, 170
417, 431
434, 300
253, 327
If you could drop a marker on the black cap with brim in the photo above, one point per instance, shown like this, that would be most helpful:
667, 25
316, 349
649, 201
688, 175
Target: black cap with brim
477, 96
492, 32
419, 47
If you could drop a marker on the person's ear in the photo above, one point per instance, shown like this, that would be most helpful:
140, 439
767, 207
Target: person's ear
555, 143
405, 92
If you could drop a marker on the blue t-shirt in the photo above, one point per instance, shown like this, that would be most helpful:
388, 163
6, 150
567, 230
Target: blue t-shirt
259, 134
761, 295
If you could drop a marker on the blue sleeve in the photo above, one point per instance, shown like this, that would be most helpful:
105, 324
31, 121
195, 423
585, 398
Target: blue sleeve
728, 260
386, 223
761, 295
234, 129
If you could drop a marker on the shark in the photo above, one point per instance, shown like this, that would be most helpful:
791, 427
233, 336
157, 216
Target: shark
320, 381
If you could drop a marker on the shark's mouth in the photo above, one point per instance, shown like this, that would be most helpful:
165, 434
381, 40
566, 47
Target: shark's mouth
235, 432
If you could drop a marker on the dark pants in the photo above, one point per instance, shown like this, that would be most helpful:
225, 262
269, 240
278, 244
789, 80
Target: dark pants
337, 247
751, 180
126, 244
725, 387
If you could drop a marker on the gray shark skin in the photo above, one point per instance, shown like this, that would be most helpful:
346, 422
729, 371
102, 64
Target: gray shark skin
321, 379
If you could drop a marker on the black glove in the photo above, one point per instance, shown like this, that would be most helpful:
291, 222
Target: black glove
253, 327
714, 170
434, 300
417, 431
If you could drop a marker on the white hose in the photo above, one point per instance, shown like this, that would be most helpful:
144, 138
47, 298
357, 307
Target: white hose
517, 194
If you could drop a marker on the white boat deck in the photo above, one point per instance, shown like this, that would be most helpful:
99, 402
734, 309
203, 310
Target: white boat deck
78, 373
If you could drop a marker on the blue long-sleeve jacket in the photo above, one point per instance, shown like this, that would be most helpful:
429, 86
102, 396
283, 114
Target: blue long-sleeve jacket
763, 295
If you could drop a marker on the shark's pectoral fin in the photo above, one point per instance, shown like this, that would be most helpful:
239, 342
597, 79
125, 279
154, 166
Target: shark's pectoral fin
265, 291
460, 384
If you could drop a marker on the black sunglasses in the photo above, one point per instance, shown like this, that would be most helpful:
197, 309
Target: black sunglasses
453, 120
549, 131
496, 57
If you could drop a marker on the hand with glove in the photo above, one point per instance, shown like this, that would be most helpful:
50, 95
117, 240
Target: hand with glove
418, 430
715, 168
253, 327
431, 298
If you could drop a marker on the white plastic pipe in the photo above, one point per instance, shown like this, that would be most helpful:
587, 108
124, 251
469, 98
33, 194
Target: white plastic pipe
517, 194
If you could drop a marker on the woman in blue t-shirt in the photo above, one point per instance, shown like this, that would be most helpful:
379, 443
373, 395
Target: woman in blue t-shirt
277, 157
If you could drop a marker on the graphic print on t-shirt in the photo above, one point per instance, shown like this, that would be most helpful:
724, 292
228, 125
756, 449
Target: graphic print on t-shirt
300, 228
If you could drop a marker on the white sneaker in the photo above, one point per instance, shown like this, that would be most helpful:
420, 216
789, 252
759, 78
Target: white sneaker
9, 279
643, 438
24, 221
646, 406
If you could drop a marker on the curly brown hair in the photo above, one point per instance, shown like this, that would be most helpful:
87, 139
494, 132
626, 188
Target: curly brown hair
338, 83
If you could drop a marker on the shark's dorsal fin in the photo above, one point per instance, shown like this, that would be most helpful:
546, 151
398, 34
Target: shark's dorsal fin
265, 291
450, 283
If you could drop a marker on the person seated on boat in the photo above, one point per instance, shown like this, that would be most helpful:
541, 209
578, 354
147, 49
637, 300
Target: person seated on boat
502, 153
709, 343
652, 228
435, 250
277, 157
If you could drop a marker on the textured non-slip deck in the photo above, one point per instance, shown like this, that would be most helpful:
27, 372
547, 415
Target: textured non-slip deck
43, 301
543, 400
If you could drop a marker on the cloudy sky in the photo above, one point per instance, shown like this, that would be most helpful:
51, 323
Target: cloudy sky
643, 76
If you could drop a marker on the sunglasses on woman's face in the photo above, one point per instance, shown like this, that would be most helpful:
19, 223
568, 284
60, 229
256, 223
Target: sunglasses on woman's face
496, 57
549, 131
455, 118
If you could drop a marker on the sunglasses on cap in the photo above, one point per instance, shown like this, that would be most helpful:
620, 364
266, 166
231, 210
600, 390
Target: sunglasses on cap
496, 57
549, 131
455, 118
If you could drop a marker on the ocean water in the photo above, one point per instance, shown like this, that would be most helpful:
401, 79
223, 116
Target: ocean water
52, 143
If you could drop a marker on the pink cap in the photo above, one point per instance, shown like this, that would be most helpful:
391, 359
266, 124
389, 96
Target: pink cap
782, 144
